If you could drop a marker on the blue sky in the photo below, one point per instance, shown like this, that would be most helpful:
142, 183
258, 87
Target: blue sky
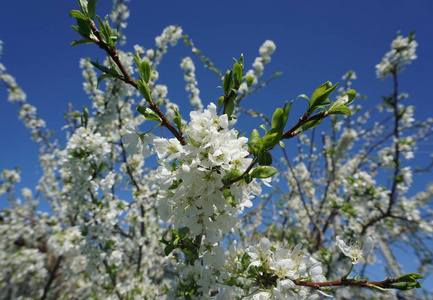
316, 41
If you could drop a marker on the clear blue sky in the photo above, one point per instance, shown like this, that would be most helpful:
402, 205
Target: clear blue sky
316, 41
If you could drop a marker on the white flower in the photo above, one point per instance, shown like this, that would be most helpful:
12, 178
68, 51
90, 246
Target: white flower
138, 143
353, 251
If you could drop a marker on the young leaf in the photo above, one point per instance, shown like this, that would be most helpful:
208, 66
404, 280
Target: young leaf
265, 158
83, 7
145, 70
255, 137
77, 14
220, 101
144, 90
227, 81
83, 28
177, 119
263, 172
271, 138
341, 110
344, 100
148, 113
303, 96
308, 125
320, 95
230, 107
91, 7
237, 70
102, 77
249, 80
278, 119
83, 41
183, 232
230, 176
248, 178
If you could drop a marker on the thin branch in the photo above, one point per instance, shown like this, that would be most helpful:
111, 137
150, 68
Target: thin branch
387, 283
129, 80
52, 277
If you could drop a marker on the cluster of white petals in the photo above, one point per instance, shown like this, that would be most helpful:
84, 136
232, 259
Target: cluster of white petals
402, 53
191, 83
288, 265
197, 170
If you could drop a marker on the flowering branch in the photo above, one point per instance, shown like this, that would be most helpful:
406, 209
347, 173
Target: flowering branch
111, 50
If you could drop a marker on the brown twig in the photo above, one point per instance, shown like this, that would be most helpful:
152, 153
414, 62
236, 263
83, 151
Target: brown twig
347, 282
129, 80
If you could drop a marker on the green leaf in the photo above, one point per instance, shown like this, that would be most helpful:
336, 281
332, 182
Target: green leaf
320, 90
84, 28
378, 288
249, 80
220, 101
303, 96
148, 113
112, 71
101, 24
237, 70
341, 110
91, 7
183, 232
177, 119
168, 249
263, 172
255, 137
85, 116
248, 178
241, 60
230, 107
227, 82
287, 109
271, 138
83, 41
83, 6
102, 77
109, 34
345, 99
145, 70
320, 95
144, 90
77, 14
411, 36
265, 158
410, 277
233, 174
308, 125
278, 119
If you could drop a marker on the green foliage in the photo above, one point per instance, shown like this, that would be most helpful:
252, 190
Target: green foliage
320, 96
263, 172
148, 113
180, 240
144, 90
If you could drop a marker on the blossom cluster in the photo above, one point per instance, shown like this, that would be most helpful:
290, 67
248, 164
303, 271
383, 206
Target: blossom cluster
402, 53
191, 83
192, 184
276, 267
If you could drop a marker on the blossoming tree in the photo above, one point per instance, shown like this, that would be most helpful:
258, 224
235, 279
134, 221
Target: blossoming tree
198, 226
